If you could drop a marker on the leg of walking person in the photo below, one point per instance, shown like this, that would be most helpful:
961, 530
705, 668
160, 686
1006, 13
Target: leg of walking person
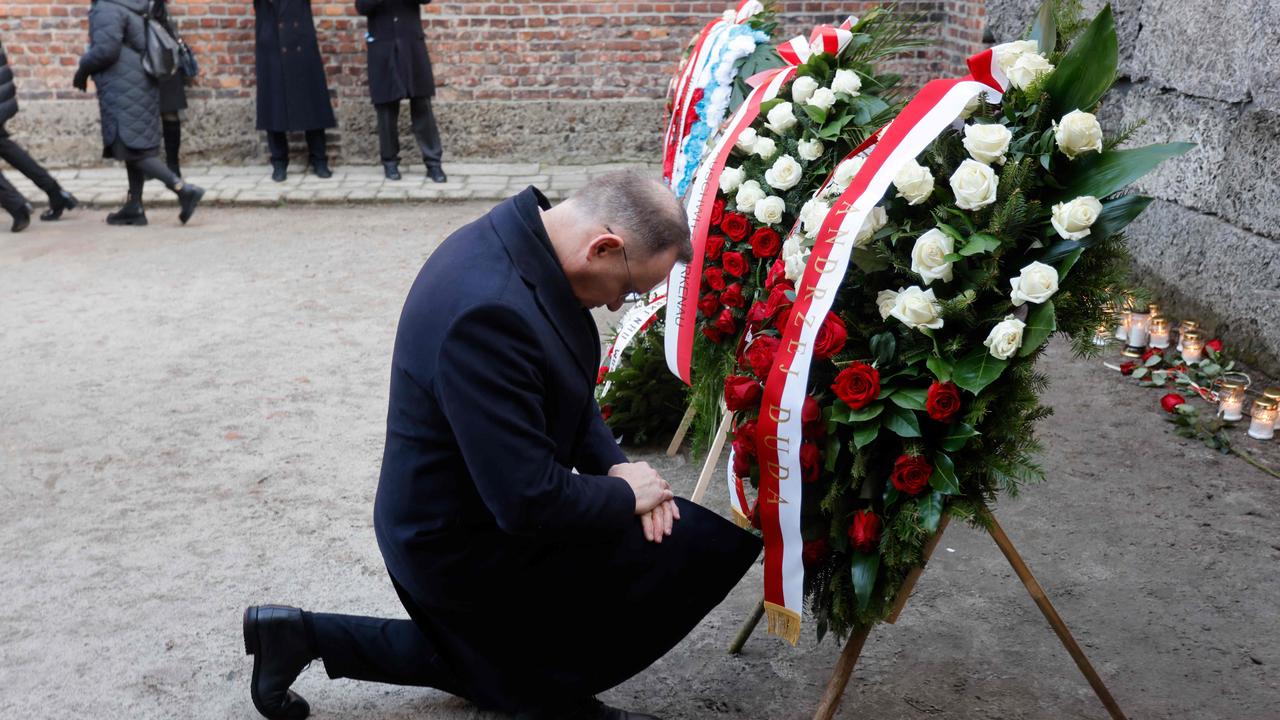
15, 204
428, 136
59, 199
318, 153
389, 137
188, 194
132, 213
172, 126
278, 146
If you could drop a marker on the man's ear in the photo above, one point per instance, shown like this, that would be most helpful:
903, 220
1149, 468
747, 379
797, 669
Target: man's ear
604, 244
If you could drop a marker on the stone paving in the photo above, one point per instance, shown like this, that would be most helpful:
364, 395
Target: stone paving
252, 185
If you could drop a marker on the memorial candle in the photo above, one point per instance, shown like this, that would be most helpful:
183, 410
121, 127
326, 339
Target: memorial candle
1192, 347
1231, 400
1263, 425
1159, 332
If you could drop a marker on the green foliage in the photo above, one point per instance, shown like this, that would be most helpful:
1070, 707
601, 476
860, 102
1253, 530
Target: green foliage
645, 401
1087, 70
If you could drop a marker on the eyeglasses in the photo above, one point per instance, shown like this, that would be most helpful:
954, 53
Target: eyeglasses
633, 295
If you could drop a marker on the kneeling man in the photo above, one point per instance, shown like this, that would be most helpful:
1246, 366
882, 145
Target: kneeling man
538, 566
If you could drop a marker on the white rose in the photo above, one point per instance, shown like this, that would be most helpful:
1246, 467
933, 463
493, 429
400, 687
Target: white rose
1072, 220
974, 185
812, 215
917, 308
746, 141
794, 257
928, 257
1078, 133
810, 150
750, 9
730, 179
987, 143
769, 210
748, 195
785, 173
847, 82
1027, 69
1005, 338
1008, 53
822, 99
876, 219
802, 89
764, 147
914, 182
1036, 284
846, 170
885, 302
781, 118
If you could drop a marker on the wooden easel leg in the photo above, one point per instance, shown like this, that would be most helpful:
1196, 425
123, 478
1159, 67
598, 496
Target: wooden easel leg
681, 431
748, 627
840, 676
1050, 614
713, 459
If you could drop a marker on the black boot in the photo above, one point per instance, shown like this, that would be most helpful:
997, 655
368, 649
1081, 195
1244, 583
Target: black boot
131, 214
172, 141
320, 168
21, 217
279, 170
436, 173
391, 169
59, 203
188, 198
276, 637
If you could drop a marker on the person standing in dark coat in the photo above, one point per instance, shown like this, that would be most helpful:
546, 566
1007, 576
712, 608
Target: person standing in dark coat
400, 68
10, 199
293, 95
129, 105
530, 586
173, 97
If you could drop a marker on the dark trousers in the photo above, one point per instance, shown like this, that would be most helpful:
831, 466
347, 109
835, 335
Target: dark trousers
10, 199
278, 145
139, 171
13, 153
424, 130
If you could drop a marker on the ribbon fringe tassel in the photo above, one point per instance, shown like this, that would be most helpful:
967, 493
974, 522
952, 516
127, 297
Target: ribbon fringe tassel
783, 622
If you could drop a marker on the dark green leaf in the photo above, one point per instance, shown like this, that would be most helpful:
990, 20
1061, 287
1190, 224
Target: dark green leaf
944, 478
817, 114
958, 436
954, 233
890, 494
977, 370
865, 568
931, 511
911, 398
1044, 31
1102, 174
868, 261
865, 433
1041, 323
883, 347
940, 367
866, 413
1069, 262
902, 421
980, 243
1086, 71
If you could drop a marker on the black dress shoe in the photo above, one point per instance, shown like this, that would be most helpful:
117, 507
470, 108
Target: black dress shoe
59, 203
276, 637
391, 169
588, 709
189, 197
320, 168
21, 217
131, 214
279, 170
436, 173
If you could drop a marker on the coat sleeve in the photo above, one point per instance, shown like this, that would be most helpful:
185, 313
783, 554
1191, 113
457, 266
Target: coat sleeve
366, 7
106, 36
598, 451
489, 380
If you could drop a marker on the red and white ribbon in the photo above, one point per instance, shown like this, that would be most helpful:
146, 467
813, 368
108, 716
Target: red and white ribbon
779, 429
633, 323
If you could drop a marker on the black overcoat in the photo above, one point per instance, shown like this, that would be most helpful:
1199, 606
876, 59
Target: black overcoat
173, 89
399, 66
534, 581
128, 99
292, 92
8, 92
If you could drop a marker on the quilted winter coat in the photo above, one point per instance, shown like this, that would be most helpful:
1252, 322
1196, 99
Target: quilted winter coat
128, 99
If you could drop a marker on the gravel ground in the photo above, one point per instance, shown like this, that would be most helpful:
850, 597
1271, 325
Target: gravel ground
191, 420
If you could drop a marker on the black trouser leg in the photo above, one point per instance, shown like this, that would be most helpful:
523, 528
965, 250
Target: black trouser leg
278, 146
425, 130
14, 154
10, 199
389, 130
136, 178
172, 143
317, 147
149, 169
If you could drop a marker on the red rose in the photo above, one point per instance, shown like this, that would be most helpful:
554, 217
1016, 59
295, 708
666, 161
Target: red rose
756, 314
741, 463
812, 425
810, 462
778, 304
717, 211
865, 531
765, 243
1150, 353
741, 392
814, 552
734, 263
744, 439
714, 278
857, 385
831, 337
1171, 402
911, 474
943, 401
725, 322
709, 305
1214, 345
760, 355
713, 335
714, 246
777, 273
604, 370
1127, 367
732, 296
606, 412
735, 225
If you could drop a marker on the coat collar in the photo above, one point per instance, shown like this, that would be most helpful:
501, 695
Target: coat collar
518, 222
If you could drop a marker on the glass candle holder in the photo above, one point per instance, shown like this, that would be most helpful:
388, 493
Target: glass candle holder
1263, 425
1231, 400
1192, 347
1122, 327
1273, 394
1159, 332
1153, 309
1184, 327
1139, 322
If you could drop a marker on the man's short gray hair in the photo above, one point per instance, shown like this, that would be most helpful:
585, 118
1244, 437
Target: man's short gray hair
641, 209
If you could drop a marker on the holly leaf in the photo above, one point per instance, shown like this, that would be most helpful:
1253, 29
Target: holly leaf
931, 511
1041, 323
902, 421
958, 436
944, 478
865, 568
911, 398
977, 370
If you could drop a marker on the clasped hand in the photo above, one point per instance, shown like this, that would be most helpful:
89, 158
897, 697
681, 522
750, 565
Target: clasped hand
655, 503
